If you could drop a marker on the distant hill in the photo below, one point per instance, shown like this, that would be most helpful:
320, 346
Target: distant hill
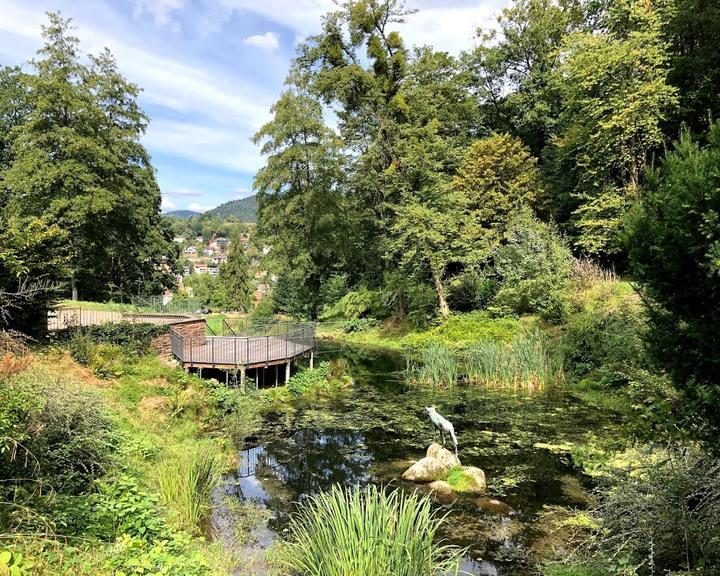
182, 214
244, 209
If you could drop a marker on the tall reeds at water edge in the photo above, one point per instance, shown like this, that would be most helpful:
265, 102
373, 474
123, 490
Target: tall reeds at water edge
370, 532
186, 487
527, 363
437, 366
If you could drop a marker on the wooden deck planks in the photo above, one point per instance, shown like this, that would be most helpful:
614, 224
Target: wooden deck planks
230, 352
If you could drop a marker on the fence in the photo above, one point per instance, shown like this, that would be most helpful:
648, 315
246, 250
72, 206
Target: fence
175, 306
74, 317
280, 342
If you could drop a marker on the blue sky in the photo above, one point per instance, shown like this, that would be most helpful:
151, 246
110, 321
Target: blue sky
211, 69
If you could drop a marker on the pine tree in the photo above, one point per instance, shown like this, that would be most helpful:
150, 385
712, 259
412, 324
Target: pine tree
235, 277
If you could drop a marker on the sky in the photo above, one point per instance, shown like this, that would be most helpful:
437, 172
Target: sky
211, 69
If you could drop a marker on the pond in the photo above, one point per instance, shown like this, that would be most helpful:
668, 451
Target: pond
372, 434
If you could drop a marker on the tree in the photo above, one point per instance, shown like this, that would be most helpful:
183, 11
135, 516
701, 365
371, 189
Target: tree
497, 175
673, 244
76, 159
301, 208
617, 95
235, 277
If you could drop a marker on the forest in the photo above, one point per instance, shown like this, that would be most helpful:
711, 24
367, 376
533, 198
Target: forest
524, 235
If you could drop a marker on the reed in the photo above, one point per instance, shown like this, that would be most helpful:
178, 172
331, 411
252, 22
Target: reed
186, 486
370, 532
437, 366
527, 362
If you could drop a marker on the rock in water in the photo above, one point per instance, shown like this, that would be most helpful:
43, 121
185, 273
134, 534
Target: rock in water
443, 454
442, 491
426, 470
494, 506
475, 479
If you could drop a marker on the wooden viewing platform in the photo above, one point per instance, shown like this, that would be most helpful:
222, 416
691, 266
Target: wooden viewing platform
282, 343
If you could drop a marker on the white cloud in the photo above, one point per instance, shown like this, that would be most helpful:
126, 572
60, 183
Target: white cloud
166, 205
160, 10
267, 41
183, 192
241, 192
195, 207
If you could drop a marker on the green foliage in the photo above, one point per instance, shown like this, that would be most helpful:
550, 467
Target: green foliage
313, 382
139, 557
244, 209
673, 244
543, 295
355, 304
437, 366
525, 362
462, 330
186, 485
235, 278
13, 564
65, 429
614, 83
76, 161
133, 337
663, 514
370, 532
471, 290
358, 325
605, 343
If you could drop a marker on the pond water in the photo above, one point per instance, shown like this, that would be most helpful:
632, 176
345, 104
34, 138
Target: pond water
374, 432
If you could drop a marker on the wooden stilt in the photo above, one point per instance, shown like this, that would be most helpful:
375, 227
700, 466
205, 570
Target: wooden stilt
276, 375
287, 372
242, 379
312, 359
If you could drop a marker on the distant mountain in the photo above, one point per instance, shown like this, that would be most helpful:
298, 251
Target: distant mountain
244, 209
182, 214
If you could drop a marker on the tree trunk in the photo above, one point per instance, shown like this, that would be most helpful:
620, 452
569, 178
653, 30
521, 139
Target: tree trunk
440, 289
73, 285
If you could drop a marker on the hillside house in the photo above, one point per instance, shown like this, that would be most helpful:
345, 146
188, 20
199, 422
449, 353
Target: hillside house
190, 251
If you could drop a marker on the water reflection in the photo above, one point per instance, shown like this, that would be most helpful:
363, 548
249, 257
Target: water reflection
371, 434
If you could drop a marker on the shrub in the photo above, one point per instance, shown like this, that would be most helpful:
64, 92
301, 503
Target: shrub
243, 420
354, 304
369, 532
65, 429
543, 295
133, 337
607, 342
472, 290
358, 325
665, 515
186, 485
462, 330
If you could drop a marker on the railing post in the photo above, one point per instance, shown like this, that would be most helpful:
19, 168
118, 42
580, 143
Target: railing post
212, 351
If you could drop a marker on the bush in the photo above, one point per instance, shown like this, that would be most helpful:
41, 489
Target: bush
355, 304
462, 330
543, 295
358, 325
664, 516
472, 290
66, 430
607, 343
134, 338
367, 532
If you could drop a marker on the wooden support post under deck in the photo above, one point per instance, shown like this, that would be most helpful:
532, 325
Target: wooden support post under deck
287, 372
242, 379
227, 377
276, 375
312, 359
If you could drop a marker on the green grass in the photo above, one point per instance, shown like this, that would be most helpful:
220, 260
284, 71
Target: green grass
368, 532
437, 366
107, 306
526, 362
459, 480
186, 486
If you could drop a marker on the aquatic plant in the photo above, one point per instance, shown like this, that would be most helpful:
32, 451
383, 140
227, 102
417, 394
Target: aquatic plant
370, 532
526, 362
186, 485
437, 366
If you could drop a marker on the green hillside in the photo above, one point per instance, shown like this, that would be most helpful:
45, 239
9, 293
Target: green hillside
181, 214
244, 209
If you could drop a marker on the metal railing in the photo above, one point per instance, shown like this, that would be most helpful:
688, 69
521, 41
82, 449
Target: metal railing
281, 342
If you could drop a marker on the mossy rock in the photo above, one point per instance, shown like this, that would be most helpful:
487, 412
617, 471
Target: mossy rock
467, 480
